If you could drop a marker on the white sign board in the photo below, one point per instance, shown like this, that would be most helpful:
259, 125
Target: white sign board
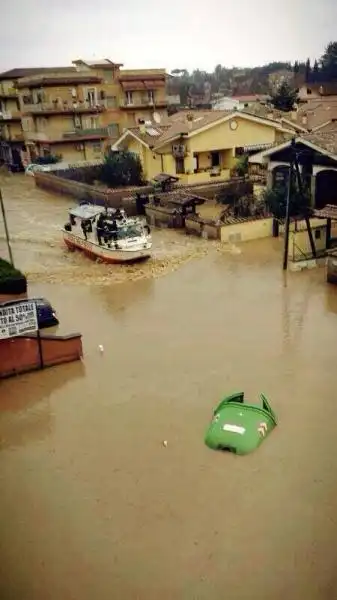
18, 319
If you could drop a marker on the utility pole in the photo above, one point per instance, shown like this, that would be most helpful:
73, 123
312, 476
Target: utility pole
307, 220
294, 163
10, 253
287, 221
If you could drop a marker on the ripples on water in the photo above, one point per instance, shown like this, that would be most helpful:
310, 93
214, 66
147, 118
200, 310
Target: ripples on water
35, 219
92, 504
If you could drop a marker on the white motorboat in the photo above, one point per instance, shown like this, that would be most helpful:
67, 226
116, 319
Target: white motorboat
107, 234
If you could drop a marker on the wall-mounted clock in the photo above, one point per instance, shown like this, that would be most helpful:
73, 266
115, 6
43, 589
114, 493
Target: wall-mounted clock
233, 125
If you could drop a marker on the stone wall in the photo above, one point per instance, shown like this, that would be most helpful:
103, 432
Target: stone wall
205, 228
84, 192
21, 354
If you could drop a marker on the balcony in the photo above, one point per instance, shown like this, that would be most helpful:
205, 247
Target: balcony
9, 94
142, 103
94, 131
10, 115
7, 136
65, 108
76, 135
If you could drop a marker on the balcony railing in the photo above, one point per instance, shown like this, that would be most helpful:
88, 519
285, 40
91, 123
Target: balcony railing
10, 115
83, 132
8, 93
7, 136
143, 103
63, 107
57, 136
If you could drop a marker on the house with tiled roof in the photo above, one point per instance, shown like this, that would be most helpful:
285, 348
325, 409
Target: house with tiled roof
201, 145
317, 157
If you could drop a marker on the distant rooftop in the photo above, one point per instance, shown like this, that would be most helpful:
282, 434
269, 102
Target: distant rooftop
29, 71
100, 63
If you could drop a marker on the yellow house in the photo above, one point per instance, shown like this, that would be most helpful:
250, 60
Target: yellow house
75, 112
200, 146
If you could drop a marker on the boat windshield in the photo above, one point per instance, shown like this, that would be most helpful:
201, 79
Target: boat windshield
129, 231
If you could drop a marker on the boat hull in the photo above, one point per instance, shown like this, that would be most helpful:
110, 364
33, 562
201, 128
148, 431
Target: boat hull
102, 253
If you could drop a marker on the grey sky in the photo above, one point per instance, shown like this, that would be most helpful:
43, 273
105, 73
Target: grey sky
174, 34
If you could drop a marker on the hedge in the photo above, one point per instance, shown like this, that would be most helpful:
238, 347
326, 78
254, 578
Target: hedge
12, 281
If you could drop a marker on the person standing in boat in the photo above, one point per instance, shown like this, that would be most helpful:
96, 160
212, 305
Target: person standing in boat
100, 228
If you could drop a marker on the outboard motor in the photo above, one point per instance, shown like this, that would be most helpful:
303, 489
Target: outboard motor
67, 227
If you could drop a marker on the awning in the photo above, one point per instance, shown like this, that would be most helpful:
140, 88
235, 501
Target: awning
133, 85
257, 147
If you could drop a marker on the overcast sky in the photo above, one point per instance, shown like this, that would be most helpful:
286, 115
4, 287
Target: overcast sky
174, 34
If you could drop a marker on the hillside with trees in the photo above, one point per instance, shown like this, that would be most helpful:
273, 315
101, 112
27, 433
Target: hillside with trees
257, 80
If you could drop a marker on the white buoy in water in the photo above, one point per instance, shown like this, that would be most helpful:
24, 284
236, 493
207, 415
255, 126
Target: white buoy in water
165, 443
100, 348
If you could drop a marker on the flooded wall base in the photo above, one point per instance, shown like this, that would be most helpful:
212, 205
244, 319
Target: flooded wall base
10, 297
21, 354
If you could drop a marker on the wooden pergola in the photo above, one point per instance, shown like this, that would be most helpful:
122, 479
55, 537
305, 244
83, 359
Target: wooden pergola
329, 212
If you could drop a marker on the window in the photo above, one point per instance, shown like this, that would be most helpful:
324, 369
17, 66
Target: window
26, 124
180, 166
317, 234
96, 148
129, 98
215, 159
111, 101
91, 123
41, 124
92, 97
150, 96
113, 130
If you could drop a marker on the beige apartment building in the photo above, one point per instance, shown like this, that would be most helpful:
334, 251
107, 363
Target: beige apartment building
75, 112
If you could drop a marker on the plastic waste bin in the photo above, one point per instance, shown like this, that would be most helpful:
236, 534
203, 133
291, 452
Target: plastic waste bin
239, 427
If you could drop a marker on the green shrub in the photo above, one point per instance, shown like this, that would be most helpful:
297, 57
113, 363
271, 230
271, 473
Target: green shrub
233, 191
12, 281
121, 169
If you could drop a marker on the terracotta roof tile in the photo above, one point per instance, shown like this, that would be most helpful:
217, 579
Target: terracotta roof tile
183, 123
325, 140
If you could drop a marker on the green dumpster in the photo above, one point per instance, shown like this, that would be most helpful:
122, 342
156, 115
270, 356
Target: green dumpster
240, 427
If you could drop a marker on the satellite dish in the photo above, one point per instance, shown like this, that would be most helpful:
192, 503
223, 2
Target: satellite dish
156, 117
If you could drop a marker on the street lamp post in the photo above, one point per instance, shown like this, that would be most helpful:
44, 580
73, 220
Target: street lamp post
10, 253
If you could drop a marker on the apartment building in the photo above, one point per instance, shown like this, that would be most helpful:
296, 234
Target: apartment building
77, 112
142, 96
12, 141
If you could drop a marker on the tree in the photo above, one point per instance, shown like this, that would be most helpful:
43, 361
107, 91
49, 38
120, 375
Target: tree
275, 200
121, 169
284, 97
329, 61
307, 70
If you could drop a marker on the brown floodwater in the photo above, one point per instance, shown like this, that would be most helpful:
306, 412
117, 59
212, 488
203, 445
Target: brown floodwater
92, 504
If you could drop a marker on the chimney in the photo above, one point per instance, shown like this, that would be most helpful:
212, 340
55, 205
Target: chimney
304, 120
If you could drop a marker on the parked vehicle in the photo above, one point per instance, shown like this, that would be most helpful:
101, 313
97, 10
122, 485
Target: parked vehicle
46, 314
32, 168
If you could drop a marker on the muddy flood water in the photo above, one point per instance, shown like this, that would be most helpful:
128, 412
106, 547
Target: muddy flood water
93, 506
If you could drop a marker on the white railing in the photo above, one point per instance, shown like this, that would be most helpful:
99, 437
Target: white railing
63, 106
7, 115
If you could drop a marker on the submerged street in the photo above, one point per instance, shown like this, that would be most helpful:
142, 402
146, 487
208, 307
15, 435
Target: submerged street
92, 504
